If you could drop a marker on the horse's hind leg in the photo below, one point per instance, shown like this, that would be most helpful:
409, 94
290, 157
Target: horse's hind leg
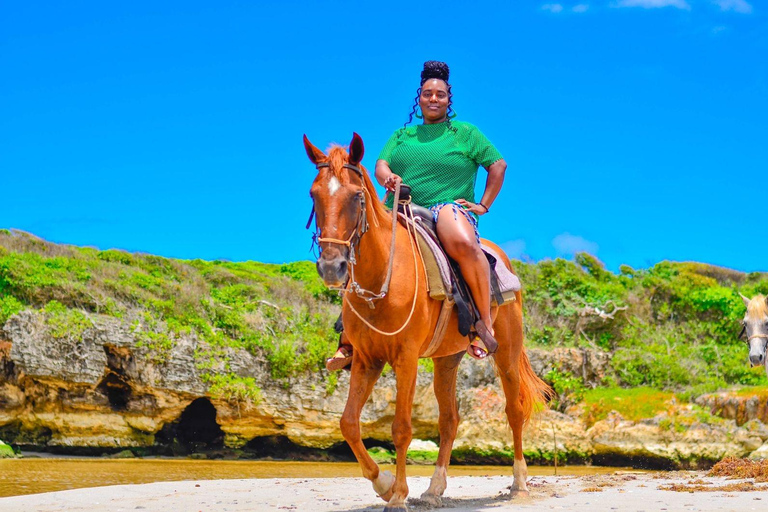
509, 333
445, 392
360, 387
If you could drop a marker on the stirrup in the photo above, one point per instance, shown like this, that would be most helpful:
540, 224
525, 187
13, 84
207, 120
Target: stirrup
483, 340
341, 360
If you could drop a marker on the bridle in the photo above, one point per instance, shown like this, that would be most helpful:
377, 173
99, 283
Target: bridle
361, 226
754, 336
352, 242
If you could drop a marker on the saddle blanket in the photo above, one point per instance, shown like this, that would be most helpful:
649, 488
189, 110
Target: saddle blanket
439, 274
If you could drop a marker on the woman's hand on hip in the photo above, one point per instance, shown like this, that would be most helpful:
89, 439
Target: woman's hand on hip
475, 208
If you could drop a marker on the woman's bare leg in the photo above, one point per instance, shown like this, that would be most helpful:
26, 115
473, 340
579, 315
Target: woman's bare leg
458, 238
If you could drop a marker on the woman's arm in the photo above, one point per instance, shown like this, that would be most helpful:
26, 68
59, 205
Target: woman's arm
492, 187
385, 176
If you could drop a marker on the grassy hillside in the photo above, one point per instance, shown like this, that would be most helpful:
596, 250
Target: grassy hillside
281, 313
671, 327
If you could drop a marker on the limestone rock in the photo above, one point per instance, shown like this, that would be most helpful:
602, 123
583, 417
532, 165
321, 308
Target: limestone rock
760, 453
104, 389
732, 405
615, 439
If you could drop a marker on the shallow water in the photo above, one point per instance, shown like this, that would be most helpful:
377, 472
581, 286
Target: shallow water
35, 475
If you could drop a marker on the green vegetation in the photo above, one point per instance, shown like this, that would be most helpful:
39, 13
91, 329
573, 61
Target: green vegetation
670, 328
280, 313
633, 404
418, 457
6, 451
65, 323
235, 388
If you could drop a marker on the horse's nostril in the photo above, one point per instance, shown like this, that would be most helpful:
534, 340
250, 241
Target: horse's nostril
343, 267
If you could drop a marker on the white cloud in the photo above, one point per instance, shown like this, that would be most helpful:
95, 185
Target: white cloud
580, 8
552, 7
653, 4
514, 248
734, 5
718, 29
567, 244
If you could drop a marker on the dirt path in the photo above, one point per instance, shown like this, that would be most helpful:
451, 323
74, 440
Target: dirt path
622, 492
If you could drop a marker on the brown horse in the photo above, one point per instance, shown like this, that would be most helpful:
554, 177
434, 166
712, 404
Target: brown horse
355, 235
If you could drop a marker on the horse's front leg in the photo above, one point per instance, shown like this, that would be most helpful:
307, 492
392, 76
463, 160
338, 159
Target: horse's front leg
445, 392
364, 376
402, 432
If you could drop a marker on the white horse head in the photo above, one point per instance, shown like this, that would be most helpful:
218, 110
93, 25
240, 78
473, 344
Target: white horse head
756, 329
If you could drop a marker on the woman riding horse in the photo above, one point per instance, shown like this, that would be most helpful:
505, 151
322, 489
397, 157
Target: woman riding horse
439, 159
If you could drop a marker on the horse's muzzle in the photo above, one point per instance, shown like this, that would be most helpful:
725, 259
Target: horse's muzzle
333, 271
757, 359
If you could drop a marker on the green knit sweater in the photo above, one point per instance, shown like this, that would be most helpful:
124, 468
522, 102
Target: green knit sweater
439, 161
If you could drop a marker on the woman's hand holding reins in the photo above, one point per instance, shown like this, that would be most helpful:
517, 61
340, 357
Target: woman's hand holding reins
391, 181
476, 208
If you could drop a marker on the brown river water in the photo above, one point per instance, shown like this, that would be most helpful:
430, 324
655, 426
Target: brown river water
36, 475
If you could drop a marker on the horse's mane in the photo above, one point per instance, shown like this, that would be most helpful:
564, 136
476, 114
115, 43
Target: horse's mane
757, 307
337, 157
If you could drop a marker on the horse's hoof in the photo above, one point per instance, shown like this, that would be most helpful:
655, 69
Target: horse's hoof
384, 485
432, 500
520, 494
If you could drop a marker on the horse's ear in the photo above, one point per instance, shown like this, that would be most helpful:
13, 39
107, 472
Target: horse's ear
356, 149
746, 300
314, 154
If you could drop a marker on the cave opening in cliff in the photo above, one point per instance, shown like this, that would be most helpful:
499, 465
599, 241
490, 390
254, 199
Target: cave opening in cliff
195, 430
118, 392
282, 448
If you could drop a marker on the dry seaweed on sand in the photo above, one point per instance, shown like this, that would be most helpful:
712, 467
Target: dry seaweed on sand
734, 487
732, 467
592, 489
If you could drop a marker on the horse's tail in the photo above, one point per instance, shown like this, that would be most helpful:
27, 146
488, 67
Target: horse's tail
534, 392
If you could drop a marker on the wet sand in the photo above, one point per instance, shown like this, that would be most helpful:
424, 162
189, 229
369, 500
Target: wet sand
622, 492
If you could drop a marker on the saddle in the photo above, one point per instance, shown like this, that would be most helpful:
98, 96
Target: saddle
444, 279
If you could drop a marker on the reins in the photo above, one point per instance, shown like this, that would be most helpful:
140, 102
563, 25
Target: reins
360, 229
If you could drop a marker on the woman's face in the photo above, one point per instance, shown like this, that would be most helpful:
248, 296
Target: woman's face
434, 101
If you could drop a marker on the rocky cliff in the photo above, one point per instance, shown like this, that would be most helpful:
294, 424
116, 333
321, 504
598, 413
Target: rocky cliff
103, 389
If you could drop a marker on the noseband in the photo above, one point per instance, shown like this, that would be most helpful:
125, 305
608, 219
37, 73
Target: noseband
754, 336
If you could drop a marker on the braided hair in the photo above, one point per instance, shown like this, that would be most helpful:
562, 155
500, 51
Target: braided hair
434, 69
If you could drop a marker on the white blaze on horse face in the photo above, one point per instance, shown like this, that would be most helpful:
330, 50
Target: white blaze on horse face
333, 185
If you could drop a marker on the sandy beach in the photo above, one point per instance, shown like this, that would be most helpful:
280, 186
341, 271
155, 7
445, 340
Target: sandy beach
621, 491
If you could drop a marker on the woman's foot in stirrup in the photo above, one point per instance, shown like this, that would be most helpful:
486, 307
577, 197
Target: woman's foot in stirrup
483, 344
341, 360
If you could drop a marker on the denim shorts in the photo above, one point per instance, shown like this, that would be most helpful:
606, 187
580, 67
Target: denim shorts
457, 208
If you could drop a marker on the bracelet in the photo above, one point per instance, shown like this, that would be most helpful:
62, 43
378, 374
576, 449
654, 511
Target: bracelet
486, 208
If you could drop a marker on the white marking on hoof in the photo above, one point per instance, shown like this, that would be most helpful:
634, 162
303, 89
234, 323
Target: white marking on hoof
383, 483
520, 472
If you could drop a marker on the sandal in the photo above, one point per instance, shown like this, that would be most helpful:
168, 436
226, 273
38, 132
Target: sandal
341, 360
483, 343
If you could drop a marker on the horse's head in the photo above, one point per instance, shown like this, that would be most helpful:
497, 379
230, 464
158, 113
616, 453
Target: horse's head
755, 328
339, 197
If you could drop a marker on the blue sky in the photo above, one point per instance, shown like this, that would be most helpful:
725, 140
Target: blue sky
633, 129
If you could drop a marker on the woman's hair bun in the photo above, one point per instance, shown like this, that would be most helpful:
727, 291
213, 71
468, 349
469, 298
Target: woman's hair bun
435, 69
